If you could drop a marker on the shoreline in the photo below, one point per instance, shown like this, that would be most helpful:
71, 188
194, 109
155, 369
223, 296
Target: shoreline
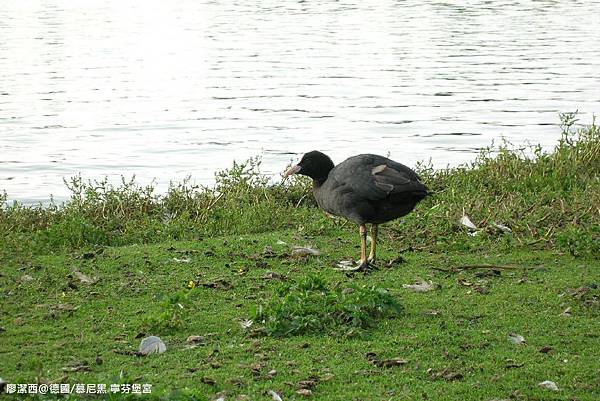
162, 184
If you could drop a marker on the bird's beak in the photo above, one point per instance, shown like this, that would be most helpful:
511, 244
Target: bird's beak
292, 170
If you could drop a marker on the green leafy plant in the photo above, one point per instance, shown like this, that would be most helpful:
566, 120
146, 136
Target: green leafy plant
541, 195
310, 306
171, 314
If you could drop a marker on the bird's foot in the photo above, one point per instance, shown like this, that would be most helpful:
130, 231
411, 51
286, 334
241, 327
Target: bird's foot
364, 267
371, 264
349, 266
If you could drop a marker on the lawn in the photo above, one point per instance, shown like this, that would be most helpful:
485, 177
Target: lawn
80, 317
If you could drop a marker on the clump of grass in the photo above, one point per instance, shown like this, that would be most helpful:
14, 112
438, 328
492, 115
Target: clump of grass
171, 316
310, 306
101, 213
547, 198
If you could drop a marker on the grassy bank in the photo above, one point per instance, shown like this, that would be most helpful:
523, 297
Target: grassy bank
549, 200
82, 283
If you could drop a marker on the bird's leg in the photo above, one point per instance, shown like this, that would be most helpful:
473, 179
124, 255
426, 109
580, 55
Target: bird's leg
364, 265
374, 230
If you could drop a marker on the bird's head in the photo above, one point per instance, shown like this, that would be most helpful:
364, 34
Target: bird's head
315, 165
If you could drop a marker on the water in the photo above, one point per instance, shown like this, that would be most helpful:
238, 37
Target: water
164, 90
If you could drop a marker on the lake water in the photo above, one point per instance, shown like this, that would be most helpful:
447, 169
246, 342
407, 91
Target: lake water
164, 90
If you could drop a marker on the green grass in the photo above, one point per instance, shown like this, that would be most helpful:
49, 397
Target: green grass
548, 199
83, 282
311, 306
54, 321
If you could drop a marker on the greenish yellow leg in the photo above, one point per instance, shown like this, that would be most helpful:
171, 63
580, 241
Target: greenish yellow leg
372, 254
363, 244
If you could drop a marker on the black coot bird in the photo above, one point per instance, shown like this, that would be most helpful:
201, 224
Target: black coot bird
365, 189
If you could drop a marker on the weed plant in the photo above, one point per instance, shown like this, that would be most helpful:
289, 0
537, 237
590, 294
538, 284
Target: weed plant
546, 199
312, 306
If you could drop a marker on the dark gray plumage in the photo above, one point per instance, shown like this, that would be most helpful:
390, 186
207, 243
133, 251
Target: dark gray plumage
365, 189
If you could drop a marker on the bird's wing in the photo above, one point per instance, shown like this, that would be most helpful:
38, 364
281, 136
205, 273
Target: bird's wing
378, 179
389, 179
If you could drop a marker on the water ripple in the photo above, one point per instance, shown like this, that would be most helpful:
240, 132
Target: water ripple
164, 90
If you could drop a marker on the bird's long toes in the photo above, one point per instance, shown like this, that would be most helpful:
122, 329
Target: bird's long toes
349, 266
364, 267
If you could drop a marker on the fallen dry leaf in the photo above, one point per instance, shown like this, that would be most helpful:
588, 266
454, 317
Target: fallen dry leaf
268, 252
396, 261
208, 380
184, 251
308, 384
550, 385
303, 251
57, 310
481, 289
421, 286
78, 367
546, 350
567, 312
151, 345
511, 364
275, 396
237, 381
218, 284
584, 293
327, 377
83, 278
516, 338
452, 376
446, 374
385, 363
305, 392
466, 221
464, 282
346, 265
196, 340
63, 308
256, 368
274, 276
503, 228
257, 332
246, 323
